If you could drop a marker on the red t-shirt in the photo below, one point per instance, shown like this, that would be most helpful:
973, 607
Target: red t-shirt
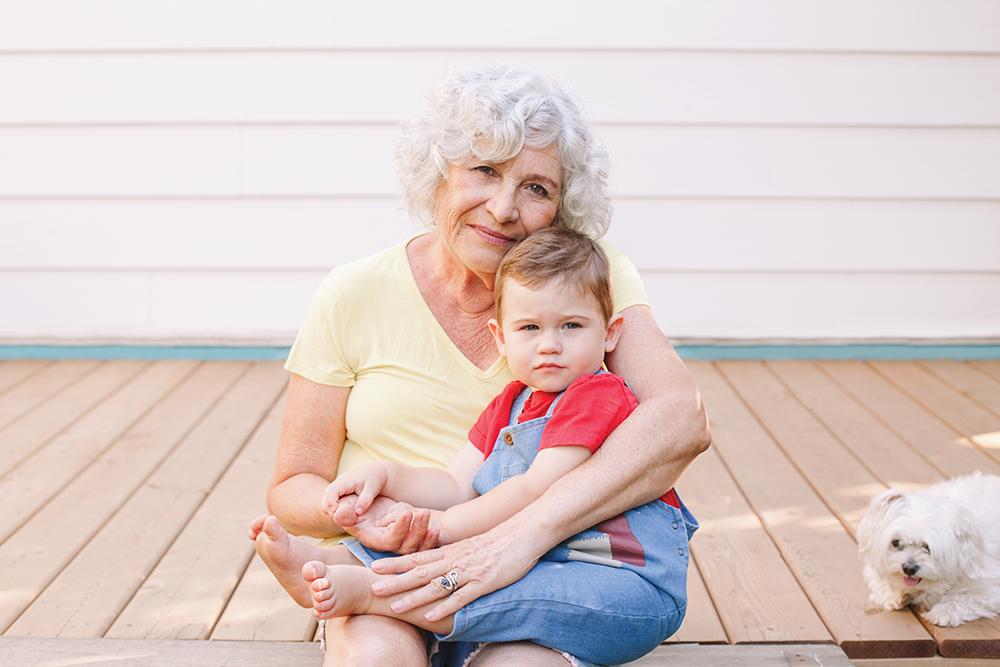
593, 407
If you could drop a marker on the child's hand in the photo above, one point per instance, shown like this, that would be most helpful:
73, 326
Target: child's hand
365, 482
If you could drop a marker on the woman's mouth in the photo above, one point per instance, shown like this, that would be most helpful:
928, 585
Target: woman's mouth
491, 237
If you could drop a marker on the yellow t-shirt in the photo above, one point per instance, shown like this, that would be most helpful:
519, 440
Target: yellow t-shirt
414, 395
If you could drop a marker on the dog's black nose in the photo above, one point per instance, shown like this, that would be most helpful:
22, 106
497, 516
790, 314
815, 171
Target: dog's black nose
910, 569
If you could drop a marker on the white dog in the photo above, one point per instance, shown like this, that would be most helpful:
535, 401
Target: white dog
937, 548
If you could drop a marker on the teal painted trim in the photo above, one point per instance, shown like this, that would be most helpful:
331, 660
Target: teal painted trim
143, 352
704, 352
881, 352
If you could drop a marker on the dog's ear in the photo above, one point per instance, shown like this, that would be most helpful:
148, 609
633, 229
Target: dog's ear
874, 518
969, 543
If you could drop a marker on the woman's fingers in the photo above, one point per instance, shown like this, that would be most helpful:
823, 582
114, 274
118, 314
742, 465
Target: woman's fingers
414, 537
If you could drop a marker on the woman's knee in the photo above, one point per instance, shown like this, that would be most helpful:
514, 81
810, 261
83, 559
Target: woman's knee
374, 641
518, 654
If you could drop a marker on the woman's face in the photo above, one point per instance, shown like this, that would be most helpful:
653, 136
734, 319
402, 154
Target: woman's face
483, 208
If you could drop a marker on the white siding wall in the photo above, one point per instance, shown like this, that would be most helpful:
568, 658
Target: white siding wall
185, 172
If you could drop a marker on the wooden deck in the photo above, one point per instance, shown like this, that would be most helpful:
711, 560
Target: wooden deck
126, 489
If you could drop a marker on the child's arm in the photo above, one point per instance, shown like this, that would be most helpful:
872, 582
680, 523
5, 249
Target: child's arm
507, 499
422, 487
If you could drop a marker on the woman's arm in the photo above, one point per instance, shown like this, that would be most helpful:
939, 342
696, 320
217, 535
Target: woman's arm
639, 462
312, 437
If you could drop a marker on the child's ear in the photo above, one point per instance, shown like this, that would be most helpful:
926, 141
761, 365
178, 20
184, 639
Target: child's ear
497, 332
614, 333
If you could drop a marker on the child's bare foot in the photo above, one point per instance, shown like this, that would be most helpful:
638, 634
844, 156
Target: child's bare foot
339, 590
284, 556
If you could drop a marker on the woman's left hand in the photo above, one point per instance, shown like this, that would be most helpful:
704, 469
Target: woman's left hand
482, 564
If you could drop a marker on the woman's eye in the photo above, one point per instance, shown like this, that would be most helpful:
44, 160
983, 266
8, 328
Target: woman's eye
486, 169
538, 190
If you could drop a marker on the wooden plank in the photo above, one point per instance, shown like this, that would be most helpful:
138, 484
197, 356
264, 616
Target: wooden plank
837, 476
701, 622
756, 596
812, 540
186, 593
977, 639
963, 414
52, 652
48, 470
947, 449
91, 591
33, 556
261, 610
968, 379
962, 26
51, 418
871, 442
767, 655
42, 385
47, 651
989, 366
13, 371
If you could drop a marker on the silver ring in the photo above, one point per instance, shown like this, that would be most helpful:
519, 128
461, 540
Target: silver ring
449, 582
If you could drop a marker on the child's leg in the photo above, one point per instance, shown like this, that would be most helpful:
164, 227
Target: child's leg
342, 590
285, 556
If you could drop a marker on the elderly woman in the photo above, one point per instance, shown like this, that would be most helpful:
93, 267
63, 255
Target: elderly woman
395, 359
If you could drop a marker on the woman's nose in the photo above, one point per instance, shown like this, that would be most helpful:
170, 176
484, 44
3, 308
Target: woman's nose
502, 204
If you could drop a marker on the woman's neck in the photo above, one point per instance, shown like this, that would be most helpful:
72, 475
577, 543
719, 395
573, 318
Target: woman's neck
460, 300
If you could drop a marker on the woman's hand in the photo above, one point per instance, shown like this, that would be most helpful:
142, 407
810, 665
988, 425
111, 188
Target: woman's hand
387, 525
482, 564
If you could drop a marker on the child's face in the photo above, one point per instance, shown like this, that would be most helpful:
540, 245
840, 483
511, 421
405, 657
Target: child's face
553, 334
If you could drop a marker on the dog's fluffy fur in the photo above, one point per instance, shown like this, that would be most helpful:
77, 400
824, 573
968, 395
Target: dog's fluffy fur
937, 548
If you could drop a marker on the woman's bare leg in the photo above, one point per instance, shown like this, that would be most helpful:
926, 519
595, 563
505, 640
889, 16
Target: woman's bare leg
285, 556
342, 590
518, 654
374, 641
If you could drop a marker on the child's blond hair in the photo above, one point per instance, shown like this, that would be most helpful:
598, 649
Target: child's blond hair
558, 254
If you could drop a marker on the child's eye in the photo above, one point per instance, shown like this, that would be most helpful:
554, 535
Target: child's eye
571, 325
529, 327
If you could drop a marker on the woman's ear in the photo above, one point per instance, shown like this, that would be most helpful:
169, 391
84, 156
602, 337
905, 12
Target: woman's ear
497, 332
614, 333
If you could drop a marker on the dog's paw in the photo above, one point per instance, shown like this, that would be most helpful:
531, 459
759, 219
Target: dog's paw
946, 615
889, 598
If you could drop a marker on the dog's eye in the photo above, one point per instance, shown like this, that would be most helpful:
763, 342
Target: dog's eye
895, 544
926, 548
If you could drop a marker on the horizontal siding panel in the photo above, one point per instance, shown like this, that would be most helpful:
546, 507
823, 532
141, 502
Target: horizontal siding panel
831, 307
803, 235
650, 161
615, 87
266, 235
856, 25
658, 234
207, 307
154, 307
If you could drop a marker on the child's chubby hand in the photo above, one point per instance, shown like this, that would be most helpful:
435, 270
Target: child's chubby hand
388, 525
363, 483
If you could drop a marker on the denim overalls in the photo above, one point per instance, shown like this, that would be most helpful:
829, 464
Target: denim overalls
609, 594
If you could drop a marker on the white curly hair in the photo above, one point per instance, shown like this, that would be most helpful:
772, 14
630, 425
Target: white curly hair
492, 113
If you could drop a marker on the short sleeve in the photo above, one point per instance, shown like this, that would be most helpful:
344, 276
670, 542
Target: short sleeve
589, 410
629, 290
